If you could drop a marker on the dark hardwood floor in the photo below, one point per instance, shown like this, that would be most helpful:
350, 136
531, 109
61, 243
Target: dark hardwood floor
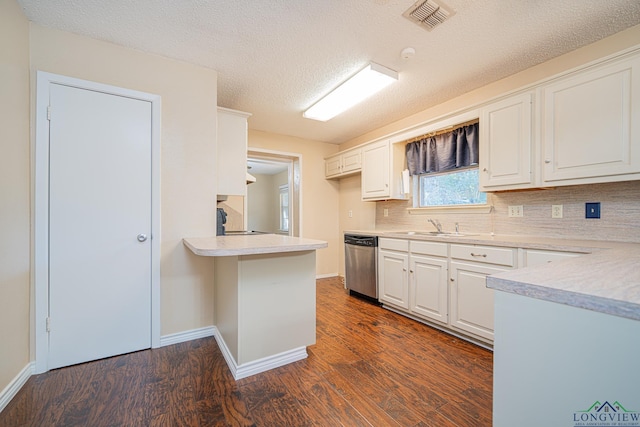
369, 367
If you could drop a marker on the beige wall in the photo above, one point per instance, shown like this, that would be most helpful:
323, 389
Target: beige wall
319, 196
262, 207
188, 182
14, 191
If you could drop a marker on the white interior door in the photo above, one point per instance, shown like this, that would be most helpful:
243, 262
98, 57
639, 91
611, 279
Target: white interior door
99, 225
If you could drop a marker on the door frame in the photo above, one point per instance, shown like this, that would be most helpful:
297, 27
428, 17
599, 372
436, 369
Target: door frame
40, 211
294, 181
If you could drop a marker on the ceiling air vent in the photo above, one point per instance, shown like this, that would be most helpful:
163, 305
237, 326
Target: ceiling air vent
428, 14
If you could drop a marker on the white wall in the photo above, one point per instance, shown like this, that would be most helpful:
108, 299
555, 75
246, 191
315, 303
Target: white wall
14, 192
261, 206
188, 164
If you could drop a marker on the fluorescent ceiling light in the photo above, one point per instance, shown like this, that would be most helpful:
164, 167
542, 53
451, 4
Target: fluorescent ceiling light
365, 83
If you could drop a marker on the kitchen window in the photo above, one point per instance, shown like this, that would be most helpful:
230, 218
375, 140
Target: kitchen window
284, 208
444, 166
450, 188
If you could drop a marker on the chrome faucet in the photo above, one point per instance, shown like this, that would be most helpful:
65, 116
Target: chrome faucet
436, 224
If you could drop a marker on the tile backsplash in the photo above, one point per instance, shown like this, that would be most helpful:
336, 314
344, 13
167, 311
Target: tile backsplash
619, 221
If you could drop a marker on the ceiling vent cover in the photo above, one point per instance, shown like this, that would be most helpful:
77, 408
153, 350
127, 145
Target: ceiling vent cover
428, 14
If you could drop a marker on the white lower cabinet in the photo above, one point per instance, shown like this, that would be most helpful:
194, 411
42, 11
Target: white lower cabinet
445, 284
470, 301
392, 278
412, 276
442, 284
428, 288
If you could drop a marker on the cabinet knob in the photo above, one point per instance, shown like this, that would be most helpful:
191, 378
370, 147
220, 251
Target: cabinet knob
410, 271
547, 161
452, 279
484, 169
404, 269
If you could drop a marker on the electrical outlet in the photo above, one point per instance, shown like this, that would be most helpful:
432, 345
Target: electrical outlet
385, 212
556, 211
516, 211
350, 214
592, 210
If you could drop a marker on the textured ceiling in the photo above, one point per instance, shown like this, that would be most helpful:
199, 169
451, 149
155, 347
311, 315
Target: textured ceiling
275, 58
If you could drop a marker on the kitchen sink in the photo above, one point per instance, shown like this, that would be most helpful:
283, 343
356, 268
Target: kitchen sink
432, 233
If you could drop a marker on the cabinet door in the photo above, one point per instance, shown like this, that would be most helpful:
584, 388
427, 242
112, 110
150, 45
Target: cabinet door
428, 288
375, 170
333, 166
232, 152
351, 161
592, 124
393, 278
471, 301
506, 146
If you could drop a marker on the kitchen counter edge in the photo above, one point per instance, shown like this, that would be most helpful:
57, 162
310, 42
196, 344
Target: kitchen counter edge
250, 245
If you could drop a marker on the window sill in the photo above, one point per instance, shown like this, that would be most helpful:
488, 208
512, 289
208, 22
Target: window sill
451, 209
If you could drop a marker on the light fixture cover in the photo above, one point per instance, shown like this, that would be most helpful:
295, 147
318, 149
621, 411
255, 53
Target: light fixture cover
362, 85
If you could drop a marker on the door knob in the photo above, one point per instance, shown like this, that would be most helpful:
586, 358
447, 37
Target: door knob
142, 237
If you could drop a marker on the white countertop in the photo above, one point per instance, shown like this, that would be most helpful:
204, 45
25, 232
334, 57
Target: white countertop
606, 279
234, 245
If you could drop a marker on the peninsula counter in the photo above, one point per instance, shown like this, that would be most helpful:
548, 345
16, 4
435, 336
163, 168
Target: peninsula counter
265, 298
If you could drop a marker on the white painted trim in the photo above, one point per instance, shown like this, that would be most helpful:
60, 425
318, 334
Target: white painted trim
261, 365
15, 385
40, 218
184, 336
287, 156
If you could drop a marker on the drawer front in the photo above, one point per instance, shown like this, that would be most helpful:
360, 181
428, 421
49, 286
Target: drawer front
535, 257
428, 248
485, 254
393, 244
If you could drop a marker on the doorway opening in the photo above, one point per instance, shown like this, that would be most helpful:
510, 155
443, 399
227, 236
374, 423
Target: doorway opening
273, 202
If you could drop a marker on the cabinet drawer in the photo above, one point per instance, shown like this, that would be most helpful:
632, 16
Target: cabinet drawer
428, 248
393, 244
485, 254
537, 257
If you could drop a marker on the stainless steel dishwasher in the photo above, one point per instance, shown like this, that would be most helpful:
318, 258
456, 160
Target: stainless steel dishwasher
361, 265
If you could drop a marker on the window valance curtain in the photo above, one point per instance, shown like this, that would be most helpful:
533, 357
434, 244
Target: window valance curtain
450, 150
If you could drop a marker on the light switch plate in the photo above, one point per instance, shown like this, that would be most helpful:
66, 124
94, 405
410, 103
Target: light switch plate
592, 210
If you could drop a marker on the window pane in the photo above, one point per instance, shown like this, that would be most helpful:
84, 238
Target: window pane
451, 188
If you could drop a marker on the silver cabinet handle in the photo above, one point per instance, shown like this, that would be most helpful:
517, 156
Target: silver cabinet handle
482, 255
142, 237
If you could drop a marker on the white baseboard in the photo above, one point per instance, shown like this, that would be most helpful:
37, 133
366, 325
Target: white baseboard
326, 276
261, 365
16, 384
184, 336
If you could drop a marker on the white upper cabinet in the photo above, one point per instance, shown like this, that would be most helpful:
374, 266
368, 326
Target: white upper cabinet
506, 144
232, 152
343, 164
382, 165
591, 125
